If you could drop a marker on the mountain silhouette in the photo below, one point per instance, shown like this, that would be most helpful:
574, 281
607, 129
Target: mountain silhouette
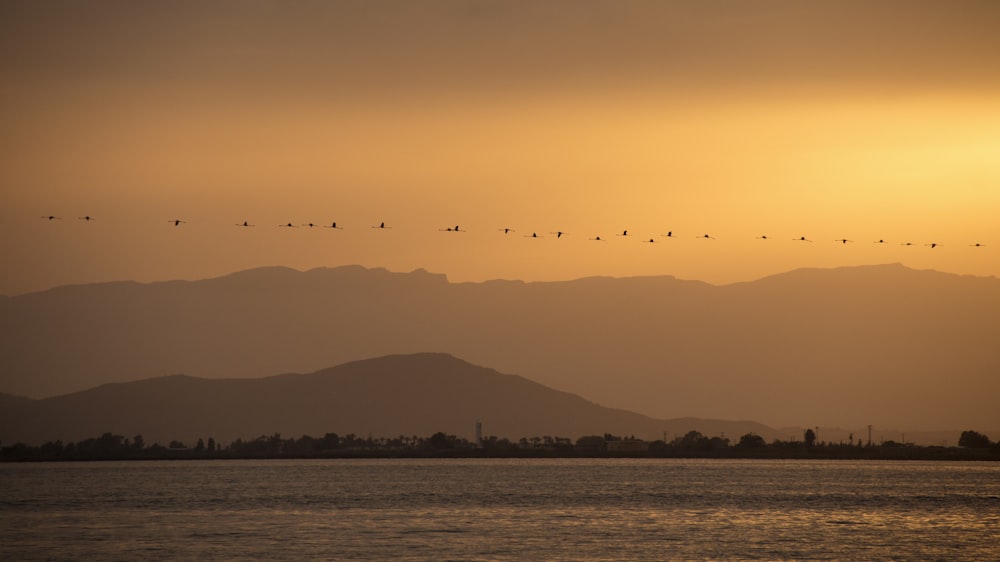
417, 394
885, 345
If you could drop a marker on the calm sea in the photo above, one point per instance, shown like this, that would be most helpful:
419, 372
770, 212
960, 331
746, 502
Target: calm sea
550, 509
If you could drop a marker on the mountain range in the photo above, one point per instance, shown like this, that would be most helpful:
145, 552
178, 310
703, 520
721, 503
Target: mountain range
418, 394
883, 345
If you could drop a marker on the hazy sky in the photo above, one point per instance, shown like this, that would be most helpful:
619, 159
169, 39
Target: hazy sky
862, 120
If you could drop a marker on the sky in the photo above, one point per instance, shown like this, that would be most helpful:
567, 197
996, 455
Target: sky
858, 120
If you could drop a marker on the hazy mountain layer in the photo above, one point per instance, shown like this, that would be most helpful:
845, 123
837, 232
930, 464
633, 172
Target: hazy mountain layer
885, 345
385, 397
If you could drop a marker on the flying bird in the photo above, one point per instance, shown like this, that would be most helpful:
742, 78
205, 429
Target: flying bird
334, 225
310, 225
977, 245
879, 241
624, 233
650, 241
533, 235
506, 230
933, 244
843, 240
87, 218
906, 244
450, 229
382, 226
289, 225
801, 239
558, 233
245, 223
597, 239
762, 237
177, 222
706, 237
669, 234
51, 217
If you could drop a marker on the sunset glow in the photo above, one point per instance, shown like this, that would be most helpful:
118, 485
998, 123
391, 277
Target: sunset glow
664, 117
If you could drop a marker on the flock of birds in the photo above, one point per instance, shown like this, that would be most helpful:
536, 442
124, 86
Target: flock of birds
507, 231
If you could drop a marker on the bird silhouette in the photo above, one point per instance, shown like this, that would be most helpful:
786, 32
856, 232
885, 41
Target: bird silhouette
334, 225
650, 241
933, 244
87, 218
450, 229
843, 240
705, 236
977, 245
801, 239
382, 226
669, 234
533, 235
906, 244
624, 233
558, 233
597, 239
289, 225
51, 217
310, 225
177, 222
762, 237
506, 230
880, 241
245, 223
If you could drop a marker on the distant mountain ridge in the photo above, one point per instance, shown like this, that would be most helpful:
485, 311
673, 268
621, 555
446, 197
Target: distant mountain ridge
885, 345
417, 394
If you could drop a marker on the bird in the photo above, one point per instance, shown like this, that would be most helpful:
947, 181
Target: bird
762, 237
977, 245
533, 235
801, 239
906, 244
933, 244
87, 218
245, 223
177, 222
650, 241
506, 230
382, 226
597, 239
334, 225
51, 217
450, 229
879, 241
706, 237
558, 233
843, 240
669, 234
310, 225
624, 233
289, 225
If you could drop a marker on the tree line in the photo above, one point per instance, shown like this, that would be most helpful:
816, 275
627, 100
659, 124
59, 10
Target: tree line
971, 445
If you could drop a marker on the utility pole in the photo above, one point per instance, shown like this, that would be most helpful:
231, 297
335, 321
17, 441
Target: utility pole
869, 435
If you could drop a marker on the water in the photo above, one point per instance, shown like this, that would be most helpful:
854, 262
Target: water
554, 509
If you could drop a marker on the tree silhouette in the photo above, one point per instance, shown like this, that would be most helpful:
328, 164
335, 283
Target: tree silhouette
751, 441
439, 441
810, 438
973, 439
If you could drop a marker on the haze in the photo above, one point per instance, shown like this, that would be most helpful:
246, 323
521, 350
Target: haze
883, 345
857, 120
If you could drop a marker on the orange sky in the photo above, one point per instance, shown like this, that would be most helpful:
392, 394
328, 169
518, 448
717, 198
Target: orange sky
859, 120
